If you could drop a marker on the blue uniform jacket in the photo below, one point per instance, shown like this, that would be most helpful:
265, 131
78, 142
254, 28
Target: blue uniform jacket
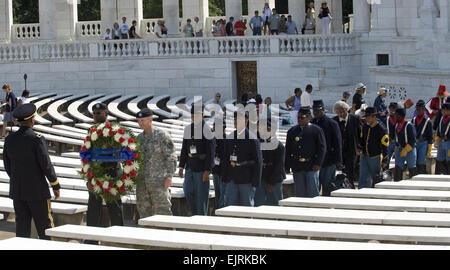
374, 140
443, 131
273, 165
247, 150
305, 148
333, 138
220, 154
391, 129
427, 134
381, 107
203, 160
406, 138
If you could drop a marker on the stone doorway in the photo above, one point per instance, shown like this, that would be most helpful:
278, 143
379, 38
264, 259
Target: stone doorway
246, 78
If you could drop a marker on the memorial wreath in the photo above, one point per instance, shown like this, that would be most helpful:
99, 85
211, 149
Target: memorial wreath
110, 143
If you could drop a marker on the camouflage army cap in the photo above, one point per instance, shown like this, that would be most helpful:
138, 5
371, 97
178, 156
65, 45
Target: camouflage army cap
144, 113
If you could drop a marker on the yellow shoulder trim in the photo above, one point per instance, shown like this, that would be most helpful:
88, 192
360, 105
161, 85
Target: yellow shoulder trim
54, 183
38, 135
385, 140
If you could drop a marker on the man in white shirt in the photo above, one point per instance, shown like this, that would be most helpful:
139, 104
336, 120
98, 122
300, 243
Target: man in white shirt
124, 28
306, 98
107, 35
198, 27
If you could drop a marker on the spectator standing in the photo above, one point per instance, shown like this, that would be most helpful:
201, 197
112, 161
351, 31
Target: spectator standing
24, 98
345, 96
309, 25
240, 27
306, 97
10, 103
223, 28
107, 35
274, 22
188, 29
198, 27
267, 12
326, 17
161, 30
229, 28
435, 103
312, 11
282, 26
294, 104
292, 26
124, 28
358, 99
256, 24
381, 105
266, 111
350, 128
133, 34
217, 29
116, 31
333, 138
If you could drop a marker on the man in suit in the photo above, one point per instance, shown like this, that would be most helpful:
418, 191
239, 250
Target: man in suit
350, 127
27, 163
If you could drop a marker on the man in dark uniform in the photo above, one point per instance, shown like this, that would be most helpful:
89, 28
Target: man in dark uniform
26, 160
94, 212
270, 192
197, 156
374, 141
243, 163
350, 127
219, 186
424, 136
305, 152
333, 156
442, 141
405, 136
390, 125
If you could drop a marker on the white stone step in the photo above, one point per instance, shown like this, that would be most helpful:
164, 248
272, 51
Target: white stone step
17, 243
397, 194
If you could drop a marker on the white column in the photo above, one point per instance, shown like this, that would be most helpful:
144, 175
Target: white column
132, 10
233, 8
361, 15
171, 14
57, 19
336, 23
383, 18
108, 14
297, 11
6, 20
259, 6
195, 8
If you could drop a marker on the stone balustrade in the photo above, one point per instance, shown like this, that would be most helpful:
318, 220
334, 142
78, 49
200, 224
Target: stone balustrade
180, 47
89, 29
148, 27
22, 32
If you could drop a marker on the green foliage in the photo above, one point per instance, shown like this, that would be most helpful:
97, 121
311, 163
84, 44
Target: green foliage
26, 11
89, 10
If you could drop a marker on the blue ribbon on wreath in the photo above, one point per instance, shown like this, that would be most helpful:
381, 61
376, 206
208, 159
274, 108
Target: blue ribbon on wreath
107, 155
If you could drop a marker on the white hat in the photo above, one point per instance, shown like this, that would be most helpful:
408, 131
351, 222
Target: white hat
360, 86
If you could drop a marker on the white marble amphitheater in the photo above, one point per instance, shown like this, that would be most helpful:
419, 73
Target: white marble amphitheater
401, 44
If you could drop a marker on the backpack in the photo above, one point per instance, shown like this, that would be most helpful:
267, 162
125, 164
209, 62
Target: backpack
340, 182
386, 175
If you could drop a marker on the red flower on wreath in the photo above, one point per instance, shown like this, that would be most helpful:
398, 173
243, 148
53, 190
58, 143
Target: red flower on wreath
87, 139
99, 183
111, 133
122, 189
82, 171
129, 162
130, 140
121, 131
121, 140
90, 175
110, 185
107, 125
135, 155
124, 176
85, 161
99, 132
84, 149
91, 186
133, 174
93, 129
106, 191
128, 149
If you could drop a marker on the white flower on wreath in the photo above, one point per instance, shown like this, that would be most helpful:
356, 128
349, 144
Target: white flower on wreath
86, 168
128, 182
126, 136
132, 146
105, 185
135, 166
93, 182
94, 136
101, 126
119, 183
113, 191
117, 137
106, 132
87, 145
125, 143
115, 128
97, 189
127, 169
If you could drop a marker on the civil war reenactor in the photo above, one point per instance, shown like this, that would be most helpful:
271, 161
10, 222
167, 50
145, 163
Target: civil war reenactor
219, 186
333, 156
243, 163
26, 160
374, 141
350, 127
158, 166
197, 156
424, 136
94, 212
305, 152
270, 192
442, 141
405, 136
390, 125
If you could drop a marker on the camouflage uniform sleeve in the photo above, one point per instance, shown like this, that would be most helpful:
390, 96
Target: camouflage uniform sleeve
170, 157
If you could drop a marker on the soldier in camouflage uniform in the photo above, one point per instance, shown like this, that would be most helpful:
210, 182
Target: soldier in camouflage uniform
158, 150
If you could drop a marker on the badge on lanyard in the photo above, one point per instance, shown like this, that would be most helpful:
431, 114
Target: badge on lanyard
217, 161
233, 158
193, 149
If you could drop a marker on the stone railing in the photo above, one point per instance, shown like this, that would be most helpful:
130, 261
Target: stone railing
181, 47
86, 30
148, 27
22, 32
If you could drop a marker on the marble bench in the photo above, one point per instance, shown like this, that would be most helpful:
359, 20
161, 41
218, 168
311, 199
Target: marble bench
166, 239
17, 243
338, 215
75, 113
418, 185
368, 204
397, 194
113, 107
311, 230
56, 116
431, 177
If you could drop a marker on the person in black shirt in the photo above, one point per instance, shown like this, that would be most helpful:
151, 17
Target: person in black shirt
229, 28
358, 99
219, 186
197, 156
10, 104
133, 33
